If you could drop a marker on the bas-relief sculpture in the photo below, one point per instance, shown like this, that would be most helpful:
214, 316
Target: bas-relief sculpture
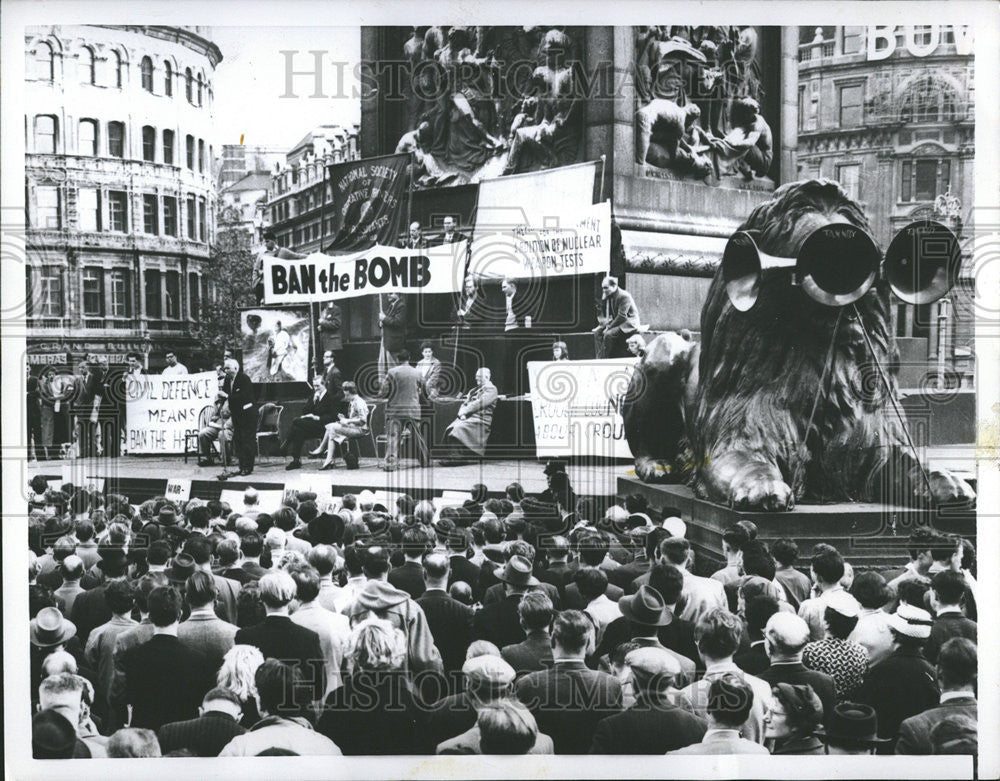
699, 92
483, 102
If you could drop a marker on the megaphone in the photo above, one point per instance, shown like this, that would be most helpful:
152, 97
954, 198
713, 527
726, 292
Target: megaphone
922, 262
836, 266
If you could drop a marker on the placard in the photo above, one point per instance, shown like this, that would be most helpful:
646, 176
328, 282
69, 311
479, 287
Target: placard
576, 406
178, 489
161, 410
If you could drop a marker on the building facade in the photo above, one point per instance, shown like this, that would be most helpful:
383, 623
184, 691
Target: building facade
119, 190
238, 160
889, 112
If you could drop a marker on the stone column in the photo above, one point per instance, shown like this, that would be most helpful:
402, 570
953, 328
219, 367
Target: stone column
789, 104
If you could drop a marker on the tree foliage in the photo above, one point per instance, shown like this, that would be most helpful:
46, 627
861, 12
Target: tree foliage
229, 276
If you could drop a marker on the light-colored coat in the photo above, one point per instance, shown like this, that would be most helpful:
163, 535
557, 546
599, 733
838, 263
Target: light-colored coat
477, 406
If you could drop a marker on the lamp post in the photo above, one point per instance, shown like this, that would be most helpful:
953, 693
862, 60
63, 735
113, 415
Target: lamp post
948, 208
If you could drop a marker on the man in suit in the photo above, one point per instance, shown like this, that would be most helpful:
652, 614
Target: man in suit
164, 679
330, 339
534, 653
759, 610
646, 612
203, 630
500, 622
278, 637
654, 724
321, 409
393, 322
457, 543
332, 377
71, 569
404, 391
449, 620
469, 432
729, 703
618, 319
251, 547
239, 390
90, 609
785, 635
410, 576
487, 679
957, 667
568, 700
947, 590
198, 552
333, 629
700, 595
449, 234
217, 723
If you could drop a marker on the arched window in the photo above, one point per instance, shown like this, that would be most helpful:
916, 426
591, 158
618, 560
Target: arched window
44, 62
188, 84
200, 87
929, 99
147, 74
87, 138
168, 79
45, 134
88, 66
119, 64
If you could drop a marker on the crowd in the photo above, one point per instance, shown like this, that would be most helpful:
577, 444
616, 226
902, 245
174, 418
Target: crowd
523, 624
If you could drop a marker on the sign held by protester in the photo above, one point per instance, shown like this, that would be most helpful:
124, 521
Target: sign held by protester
161, 410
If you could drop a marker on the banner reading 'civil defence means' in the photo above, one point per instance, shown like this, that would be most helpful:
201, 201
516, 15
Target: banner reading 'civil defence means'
161, 410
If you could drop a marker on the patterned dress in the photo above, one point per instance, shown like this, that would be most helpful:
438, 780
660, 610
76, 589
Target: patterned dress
843, 660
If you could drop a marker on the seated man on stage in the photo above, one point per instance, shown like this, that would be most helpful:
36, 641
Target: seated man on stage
618, 319
353, 425
220, 427
318, 411
468, 433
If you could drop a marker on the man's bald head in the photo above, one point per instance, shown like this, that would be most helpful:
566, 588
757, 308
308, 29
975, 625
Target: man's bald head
436, 570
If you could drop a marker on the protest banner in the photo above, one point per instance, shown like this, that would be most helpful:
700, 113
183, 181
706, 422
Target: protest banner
178, 489
380, 269
368, 197
161, 410
576, 406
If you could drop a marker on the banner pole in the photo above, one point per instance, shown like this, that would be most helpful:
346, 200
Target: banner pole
604, 161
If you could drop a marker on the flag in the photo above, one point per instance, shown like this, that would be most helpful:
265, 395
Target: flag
369, 201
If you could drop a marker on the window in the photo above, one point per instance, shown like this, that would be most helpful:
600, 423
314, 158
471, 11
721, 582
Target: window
849, 177
93, 292
194, 297
88, 66
173, 311
50, 292
47, 211
200, 86
168, 79
43, 64
850, 105
149, 144
150, 216
202, 232
119, 64
147, 74
192, 218
189, 144
87, 137
45, 134
169, 215
853, 39
922, 34
151, 286
929, 100
168, 147
118, 211
188, 84
88, 212
201, 156
116, 139
924, 179
802, 108
121, 293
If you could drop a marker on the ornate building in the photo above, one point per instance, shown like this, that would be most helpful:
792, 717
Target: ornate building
119, 189
890, 113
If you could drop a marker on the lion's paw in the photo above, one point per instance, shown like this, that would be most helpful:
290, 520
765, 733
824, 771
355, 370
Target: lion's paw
652, 470
757, 492
947, 488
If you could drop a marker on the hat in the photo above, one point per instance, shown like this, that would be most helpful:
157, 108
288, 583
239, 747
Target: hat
326, 529
181, 568
517, 572
113, 560
638, 520
843, 603
802, 701
556, 465
646, 607
444, 526
53, 736
515, 522
167, 515
50, 628
489, 670
852, 723
911, 621
652, 662
675, 526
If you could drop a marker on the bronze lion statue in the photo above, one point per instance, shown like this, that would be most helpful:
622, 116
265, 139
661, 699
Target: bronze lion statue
730, 415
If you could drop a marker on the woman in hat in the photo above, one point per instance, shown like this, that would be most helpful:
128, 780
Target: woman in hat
792, 718
852, 729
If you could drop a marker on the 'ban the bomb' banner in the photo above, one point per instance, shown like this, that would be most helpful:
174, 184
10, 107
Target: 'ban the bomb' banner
576, 406
367, 196
161, 410
381, 269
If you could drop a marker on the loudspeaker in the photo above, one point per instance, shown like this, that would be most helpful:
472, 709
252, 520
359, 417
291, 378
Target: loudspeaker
922, 262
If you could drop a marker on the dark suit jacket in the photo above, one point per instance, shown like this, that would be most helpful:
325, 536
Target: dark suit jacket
394, 326
254, 569
464, 570
797, 673
90, 610
278, 637
500, 623
625, 574
404, 389
409, 578
242, 407
326, 409
449, 717
334, 381
495, 593
374, 713
530, 655
568, 700
754, 661
646, 729
329, 328
165, 681
946, 627
901, 685
915, 732
206, 735
451, 627
574, 601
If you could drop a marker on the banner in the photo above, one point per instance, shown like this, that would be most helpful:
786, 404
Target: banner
275, 344
534, 199
160, 410
579, 242
576, 406
368, 196
380, 269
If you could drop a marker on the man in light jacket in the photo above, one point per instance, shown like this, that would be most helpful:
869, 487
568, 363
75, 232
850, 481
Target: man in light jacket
468, 433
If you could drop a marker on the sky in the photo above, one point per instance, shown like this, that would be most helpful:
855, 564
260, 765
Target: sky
251, 79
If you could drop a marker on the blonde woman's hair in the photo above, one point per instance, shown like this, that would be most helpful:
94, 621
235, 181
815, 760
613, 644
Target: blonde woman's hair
375, 645
239, 666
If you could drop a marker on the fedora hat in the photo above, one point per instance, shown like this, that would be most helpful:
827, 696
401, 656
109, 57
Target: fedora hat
181, 568
167, 515
114, 560
911, 621
646, 607
517, 572
50, 628
852, 723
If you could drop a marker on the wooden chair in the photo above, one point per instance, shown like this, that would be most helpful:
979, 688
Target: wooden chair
192, 436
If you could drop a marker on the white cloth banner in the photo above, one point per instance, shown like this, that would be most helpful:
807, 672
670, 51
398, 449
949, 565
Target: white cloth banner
577, 241
381, 269
160, 410
576, 406
535, 198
